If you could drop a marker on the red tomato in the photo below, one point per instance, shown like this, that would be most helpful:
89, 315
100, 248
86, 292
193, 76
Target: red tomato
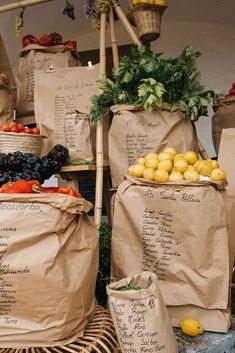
36, 131
28, 130
14, 129
20, 127
6, 128
1, 128
13, 123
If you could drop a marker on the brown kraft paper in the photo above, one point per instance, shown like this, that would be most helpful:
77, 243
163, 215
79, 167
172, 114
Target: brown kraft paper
6, 101
140, 316
48, 269
36, 57
134, 133
223, 118
57, 95
179, 232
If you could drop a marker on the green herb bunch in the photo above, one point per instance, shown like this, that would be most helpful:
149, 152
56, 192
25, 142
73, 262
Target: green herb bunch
146, 80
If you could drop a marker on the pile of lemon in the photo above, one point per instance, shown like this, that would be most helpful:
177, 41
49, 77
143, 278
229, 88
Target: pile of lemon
169, 165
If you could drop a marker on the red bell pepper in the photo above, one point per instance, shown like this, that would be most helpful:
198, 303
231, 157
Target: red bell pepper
56, 38
45, 40
232, 92
71, 44
18, 187
29, 39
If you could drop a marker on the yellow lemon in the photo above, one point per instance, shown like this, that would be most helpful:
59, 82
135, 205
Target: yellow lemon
191, 175
190, 157
203, 167
191, 167
140, 160
151, 155
130, 170
137, 170
170, 150
218, 174
165, 155
151, 163
161, 175
191, 326
179, 156
148, 174
180, 165
165, 164
175, 176
214, 164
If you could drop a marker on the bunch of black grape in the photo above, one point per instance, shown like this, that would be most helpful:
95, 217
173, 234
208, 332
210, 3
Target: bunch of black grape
18, 165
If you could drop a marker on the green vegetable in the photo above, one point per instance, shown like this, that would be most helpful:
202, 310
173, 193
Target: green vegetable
147, 80
128, 287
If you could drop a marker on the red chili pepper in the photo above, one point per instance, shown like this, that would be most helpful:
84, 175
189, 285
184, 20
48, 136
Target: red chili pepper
45, 40
63, 190
33, 182
56, 38
49, 190
18, 187
29, 39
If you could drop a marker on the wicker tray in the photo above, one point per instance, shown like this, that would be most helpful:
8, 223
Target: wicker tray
26, 143
99, 337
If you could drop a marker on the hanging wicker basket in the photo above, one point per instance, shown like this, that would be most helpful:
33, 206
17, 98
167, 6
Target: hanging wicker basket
26, 143
147, 19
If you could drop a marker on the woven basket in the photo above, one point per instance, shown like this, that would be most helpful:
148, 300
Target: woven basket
26, 143
99, 337
147, 19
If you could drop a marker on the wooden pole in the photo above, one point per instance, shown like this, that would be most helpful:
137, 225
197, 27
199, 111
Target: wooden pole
113, 39
99, 132
125, 22
202, 150
21, 4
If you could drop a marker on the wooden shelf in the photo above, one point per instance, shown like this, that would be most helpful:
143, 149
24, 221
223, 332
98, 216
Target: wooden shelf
76, 168
80, 172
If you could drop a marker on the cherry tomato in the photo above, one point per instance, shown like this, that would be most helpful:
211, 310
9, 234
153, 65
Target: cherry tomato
14, 129
13, 123
20, 127
28, 130
36, 131
6, 128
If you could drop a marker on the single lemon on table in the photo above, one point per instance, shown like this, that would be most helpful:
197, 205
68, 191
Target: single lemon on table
203, 167
190, 157
165, 164
191, 175
148, 174
170, 150
161, 175
165, 155
140, 160
151, 155
191, 326
179, 156
180, 165
218, 174
174, 176
136, 170
151, 163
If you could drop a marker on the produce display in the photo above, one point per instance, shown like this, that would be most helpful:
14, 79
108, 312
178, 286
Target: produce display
231, 92
147, 80
18, 165
19, 128
53, 38
169, 165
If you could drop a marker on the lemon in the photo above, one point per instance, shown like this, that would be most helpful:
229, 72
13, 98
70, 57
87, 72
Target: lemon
179, 156
191, 326
175, 176
165, 164
151, 163
151, 155
165, 155
137, 170
190, 157
148, 174
218, 174
180, 165
191, 167
191, 175
203, 167
170, 150
140, 160
214, 164
130, 170
161, 175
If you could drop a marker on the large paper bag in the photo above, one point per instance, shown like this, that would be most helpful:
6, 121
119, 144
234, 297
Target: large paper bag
179, 232
140, 316
62, 104
35, 57
223, 118
6, 100
135, 132
48, 269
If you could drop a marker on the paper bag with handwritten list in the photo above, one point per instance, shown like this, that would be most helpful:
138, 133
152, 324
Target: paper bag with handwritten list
58, 96
134, 133
178, 231
36, 57
48, 269
140, 316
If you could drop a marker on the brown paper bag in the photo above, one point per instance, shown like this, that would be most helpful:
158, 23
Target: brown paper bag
223, 118
6, 100
36, 57
48, 269
134, 133
140, 316
179, 232
59, 93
